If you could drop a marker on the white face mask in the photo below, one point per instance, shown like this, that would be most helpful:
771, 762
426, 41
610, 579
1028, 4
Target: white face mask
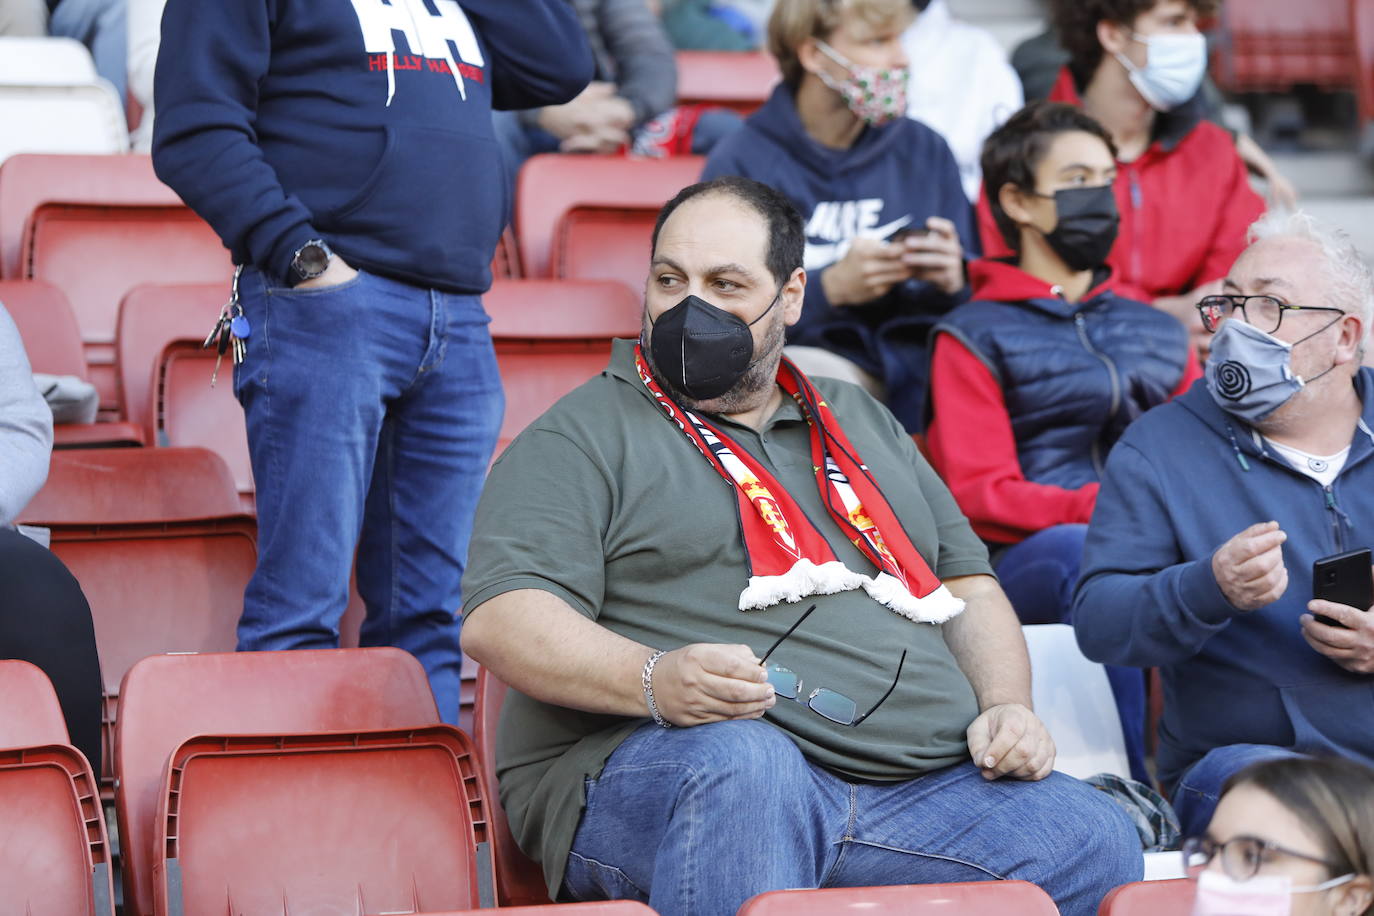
1173, 71
1263, 895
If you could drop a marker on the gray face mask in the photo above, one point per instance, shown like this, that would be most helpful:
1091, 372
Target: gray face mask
1250, 373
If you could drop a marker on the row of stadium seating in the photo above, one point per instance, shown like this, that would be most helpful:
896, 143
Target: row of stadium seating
322, 781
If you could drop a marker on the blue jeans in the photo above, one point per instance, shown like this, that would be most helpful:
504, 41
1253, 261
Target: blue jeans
1039, 576
1200, 787
373, 409
100, 25
694, 821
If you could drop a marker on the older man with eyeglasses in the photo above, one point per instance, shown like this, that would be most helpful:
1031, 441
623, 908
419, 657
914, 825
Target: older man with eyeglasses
1215, 507
641, 560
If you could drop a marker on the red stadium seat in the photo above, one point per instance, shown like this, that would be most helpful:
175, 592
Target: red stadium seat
191, 412
168, 586
550, 337
519, 880
595, 908
551, 186
1150, 898
741, 80
97, 253
1273, 45
151, 317
372, 822
133, 486
974, 898
53, 344
505, 264
1362, 20
30, 715
54, 854
167, 699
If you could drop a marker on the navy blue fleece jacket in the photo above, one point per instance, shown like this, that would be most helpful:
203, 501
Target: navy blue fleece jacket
365, 123
1182, 481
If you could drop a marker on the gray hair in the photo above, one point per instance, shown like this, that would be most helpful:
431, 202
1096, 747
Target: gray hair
1351, 279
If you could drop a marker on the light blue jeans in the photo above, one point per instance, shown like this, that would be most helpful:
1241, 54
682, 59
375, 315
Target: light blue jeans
373, 409
102, 26
694, 821
1199, 789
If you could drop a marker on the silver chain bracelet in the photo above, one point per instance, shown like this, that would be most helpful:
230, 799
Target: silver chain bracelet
647, 678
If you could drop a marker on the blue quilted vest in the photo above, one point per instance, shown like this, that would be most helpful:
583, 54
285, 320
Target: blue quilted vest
1073, 375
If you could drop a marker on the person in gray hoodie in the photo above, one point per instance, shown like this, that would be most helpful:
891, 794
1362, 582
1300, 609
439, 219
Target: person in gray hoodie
25, 425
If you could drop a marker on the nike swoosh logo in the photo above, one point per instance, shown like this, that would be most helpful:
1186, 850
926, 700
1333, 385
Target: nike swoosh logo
822, 254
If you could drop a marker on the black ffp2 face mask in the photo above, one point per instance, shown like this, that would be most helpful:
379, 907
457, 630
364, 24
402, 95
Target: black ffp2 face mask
1087, 226
701, 350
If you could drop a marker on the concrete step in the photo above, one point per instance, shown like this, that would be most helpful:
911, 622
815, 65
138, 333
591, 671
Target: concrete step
1326, 174
1353, 214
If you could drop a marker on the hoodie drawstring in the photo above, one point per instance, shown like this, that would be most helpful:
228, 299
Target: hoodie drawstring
1235, 446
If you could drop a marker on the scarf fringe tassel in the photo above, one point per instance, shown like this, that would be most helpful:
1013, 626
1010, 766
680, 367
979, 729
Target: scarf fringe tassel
806, 578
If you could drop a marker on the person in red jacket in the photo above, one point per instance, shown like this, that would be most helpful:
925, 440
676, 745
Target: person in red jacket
1136, 66
1033, 380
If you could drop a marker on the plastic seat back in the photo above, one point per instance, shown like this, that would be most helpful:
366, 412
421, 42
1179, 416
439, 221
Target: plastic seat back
1150, 898
741, 80
98, 252
1273, 45
974, 898
48, 61
550, 337
1362, 20
601, 243
132, 486
374, 822
77, 118
594, 908
192, 412
167, 699
30, 714
46, 325
519, 880
553, 185
1074, 699
54, 854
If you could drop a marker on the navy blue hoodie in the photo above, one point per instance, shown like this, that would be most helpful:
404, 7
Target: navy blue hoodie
892, 177
1183, 480
365, 123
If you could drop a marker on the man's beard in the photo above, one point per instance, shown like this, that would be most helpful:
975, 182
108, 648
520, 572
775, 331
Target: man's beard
745, 394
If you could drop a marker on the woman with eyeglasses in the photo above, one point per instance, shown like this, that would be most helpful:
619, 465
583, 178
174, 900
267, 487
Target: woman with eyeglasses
1292, 836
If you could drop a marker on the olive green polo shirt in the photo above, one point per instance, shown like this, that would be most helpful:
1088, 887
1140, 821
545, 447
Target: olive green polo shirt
605, 503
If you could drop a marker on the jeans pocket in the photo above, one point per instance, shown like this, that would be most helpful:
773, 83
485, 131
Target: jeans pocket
588, 879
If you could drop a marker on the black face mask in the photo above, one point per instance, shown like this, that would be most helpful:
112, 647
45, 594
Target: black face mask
702, 350
1086, 231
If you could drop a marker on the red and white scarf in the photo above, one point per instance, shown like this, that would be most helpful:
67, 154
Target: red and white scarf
788, 557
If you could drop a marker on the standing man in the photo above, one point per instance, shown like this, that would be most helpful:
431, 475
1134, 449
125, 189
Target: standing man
343, 151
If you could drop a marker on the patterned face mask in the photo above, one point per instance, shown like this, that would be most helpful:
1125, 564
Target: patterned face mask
876, 95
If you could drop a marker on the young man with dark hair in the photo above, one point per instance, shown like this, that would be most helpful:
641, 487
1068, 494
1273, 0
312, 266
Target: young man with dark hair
1033, 380
639, 547
1136, 67
887, 222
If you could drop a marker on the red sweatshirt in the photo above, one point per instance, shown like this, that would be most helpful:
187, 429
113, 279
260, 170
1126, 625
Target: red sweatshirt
1185, 205
969, 440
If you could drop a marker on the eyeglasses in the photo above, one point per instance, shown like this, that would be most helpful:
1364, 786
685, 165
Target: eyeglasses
1241, 856
824, 702
1263, 312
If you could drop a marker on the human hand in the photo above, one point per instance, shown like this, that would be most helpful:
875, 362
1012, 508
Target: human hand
607, 140
936, 256
1352, 645
868, 270
338, 272
1249, 568
711, 682
1010, 740
597, 109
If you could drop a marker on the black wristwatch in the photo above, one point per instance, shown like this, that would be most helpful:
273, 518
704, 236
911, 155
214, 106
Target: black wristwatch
311, 260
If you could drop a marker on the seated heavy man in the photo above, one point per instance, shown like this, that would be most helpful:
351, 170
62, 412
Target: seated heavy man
700, 536
1213, 508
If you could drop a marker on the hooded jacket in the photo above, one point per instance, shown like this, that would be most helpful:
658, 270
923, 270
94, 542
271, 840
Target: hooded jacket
1030, 391
1182, 481
363, 123
1185, 203
891, 178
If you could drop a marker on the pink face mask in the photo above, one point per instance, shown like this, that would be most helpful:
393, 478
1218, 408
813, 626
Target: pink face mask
875, 95
1263, 895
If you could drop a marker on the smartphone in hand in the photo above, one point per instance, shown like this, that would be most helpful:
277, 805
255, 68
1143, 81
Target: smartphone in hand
1344, 578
